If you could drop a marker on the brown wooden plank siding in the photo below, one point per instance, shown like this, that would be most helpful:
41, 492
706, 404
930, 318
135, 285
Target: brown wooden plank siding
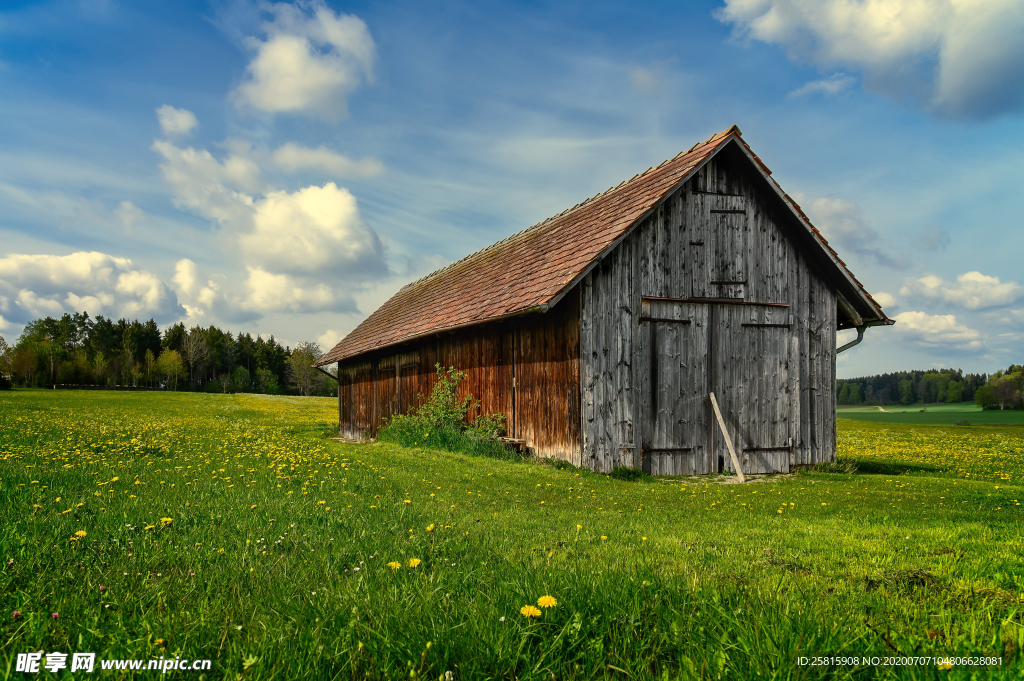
721, 236
536, 353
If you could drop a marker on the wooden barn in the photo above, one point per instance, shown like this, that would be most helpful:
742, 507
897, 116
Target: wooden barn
602, 332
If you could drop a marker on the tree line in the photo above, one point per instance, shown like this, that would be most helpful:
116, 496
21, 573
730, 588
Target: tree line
1001, 390
79, 350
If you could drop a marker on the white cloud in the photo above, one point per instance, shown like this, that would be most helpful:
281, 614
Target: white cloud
314, 230
268, 292
828, 87
176, 122
845, 227
42, 285
327, 340
196, 296
972, 290
960, 58
886, 300
306, 250
211, 188
310, 61
292, 157
937, 330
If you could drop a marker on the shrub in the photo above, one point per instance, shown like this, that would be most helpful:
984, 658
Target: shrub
441, 422
630, 474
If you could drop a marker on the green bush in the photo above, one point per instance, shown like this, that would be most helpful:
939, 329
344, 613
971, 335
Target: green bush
441, 422
630, 474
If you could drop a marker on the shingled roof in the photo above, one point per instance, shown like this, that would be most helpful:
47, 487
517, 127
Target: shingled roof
530, 270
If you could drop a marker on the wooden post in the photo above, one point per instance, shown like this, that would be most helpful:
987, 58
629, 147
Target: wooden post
728, 440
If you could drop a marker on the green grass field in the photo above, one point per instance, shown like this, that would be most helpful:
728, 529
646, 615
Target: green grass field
229, 528
933, 414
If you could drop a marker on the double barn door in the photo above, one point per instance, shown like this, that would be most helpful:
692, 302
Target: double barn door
740, 352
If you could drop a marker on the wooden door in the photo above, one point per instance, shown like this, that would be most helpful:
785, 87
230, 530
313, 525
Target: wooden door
749, 374
675, 336
718, 246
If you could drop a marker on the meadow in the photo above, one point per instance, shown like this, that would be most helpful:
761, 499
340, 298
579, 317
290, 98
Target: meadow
933, 414
231, 528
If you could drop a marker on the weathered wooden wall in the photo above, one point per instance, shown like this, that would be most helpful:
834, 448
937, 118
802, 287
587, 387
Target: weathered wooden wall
770, 360
526, 368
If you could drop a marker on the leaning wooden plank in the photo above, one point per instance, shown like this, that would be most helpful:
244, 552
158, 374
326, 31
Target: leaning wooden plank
728, 440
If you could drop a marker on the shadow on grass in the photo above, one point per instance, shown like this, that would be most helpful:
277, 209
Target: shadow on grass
891, 468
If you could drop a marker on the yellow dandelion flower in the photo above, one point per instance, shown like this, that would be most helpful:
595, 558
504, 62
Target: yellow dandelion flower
252, 507
394, 565
529, 611
80, 533
413, 562
430, 527
579, 527
407, 501
150, 527
604, 538
166, 521
547, 601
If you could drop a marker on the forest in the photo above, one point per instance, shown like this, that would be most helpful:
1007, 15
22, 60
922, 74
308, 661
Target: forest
1000, 390
78, 350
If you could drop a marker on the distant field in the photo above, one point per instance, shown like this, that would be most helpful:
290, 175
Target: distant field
933, 414
230, 528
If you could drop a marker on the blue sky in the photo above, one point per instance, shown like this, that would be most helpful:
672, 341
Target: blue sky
284, 168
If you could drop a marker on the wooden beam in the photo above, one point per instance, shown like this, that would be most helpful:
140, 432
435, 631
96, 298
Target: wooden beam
728, 440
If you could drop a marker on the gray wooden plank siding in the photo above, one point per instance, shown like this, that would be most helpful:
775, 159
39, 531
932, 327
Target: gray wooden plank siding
647, 364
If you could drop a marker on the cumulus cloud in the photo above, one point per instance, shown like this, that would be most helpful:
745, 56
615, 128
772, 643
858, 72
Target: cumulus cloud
937, 331
214, 189
973, 290
41, 285
846, 228
292, 157
310, 60
176, 122
958, 58
828, 87
329, 338
304, 251
270, 292
886, 300
313, 230
196, 295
